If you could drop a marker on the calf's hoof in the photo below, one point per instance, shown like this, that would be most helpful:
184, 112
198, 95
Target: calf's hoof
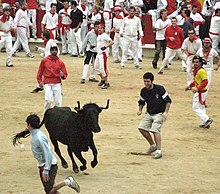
65, 165
76, 170
82, 168
94, 163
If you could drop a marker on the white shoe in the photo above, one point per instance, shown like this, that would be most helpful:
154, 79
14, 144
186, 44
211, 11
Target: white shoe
73, 184
157, 155
30, 55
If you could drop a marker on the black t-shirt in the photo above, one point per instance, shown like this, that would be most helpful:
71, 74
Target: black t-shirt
76, 17
156, 99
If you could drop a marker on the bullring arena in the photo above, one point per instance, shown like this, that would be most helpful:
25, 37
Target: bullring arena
190, 162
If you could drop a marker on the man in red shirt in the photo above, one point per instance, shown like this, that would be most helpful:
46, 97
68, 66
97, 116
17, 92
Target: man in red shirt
174, 36
50, 73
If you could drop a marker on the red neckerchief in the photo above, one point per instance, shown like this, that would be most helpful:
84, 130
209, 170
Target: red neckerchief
65, 10
196, 70
96, 32
194, 38
83, 7
130, 17
45, 42
206, 52
119, 17
52, 13
4, 18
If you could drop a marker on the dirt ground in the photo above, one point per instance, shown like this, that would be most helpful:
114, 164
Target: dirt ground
190, 162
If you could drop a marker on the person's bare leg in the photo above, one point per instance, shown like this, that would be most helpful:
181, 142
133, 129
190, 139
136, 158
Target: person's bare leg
56, 187
157, 138
147, 136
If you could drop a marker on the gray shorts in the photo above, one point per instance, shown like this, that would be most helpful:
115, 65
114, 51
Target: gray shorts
52, 174
152, 123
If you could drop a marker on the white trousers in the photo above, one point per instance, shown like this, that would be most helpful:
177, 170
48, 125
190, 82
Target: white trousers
115, 47
65, 38
84, 31
6, 41
108, 21
22, 39
75, 41
32, 16
132, 43
198, 108
215, 41
100, 65
189, 67
52, 92
172, 52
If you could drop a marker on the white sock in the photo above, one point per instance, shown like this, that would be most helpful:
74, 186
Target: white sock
158, 151
67, 182
153, 145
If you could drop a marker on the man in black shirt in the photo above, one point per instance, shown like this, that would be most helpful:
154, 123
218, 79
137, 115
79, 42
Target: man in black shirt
158, 104
76, 16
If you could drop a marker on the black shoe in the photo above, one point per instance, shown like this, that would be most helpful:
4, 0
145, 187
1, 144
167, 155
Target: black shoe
36, 90
204, 126
82, 81
154, 65
105, 86
9, 65
102, 82
208, 122
93, 80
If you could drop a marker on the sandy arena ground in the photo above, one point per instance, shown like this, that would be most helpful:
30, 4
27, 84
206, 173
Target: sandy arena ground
190, 162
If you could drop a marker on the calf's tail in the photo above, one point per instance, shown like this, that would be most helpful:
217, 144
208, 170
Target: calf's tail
22, 134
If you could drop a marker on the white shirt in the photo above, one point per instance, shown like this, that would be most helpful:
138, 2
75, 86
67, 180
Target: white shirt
102, 40
130, 26
191, 47
215, 25
161, 24
6, 26
197, 18
46, 50
213, 53
50, 21
21, 19
65, 19
117, 23
206, 7
94, 18
85, 15
180, 20
108, 5
217, 5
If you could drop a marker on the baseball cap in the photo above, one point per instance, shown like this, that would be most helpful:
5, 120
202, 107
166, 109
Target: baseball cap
7, 7
208, 40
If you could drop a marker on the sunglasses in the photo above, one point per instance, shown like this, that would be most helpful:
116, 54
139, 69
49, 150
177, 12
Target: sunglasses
190, 33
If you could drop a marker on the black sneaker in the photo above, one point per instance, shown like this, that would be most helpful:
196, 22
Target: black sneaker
102, 82
105, 86
36, 90
154, 65
208, 122
204, 126
93, 80
82, 81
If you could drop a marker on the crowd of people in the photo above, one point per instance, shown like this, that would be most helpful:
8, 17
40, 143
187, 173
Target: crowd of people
89, 28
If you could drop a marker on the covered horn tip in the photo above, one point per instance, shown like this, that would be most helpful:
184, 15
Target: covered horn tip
78, 104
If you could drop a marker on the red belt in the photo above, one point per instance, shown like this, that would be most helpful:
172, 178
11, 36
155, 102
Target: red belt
110, 13
65, 27
213, 33
21, 26
51, 32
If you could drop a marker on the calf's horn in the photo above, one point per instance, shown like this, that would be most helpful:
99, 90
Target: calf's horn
107, 105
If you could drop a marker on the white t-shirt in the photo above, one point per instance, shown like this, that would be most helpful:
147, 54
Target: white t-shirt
191, 47
6, 26
215, 25
213, 53
50, 21
102, 40
108, 5
65, 19
196, 18
161, 24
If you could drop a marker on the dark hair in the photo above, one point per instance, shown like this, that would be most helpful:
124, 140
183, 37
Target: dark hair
201, 60
97, 23
46, 34
149, 76
187, 12
53, 4
74, 3
194, 6
53, 47
191, 29
132, 7
217, 11
33, 120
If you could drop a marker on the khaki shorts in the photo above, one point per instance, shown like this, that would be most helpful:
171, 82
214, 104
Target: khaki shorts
152, 123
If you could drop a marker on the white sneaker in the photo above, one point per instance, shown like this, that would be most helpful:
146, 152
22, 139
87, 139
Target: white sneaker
157, 155
151, 149
30, 55
73, 184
